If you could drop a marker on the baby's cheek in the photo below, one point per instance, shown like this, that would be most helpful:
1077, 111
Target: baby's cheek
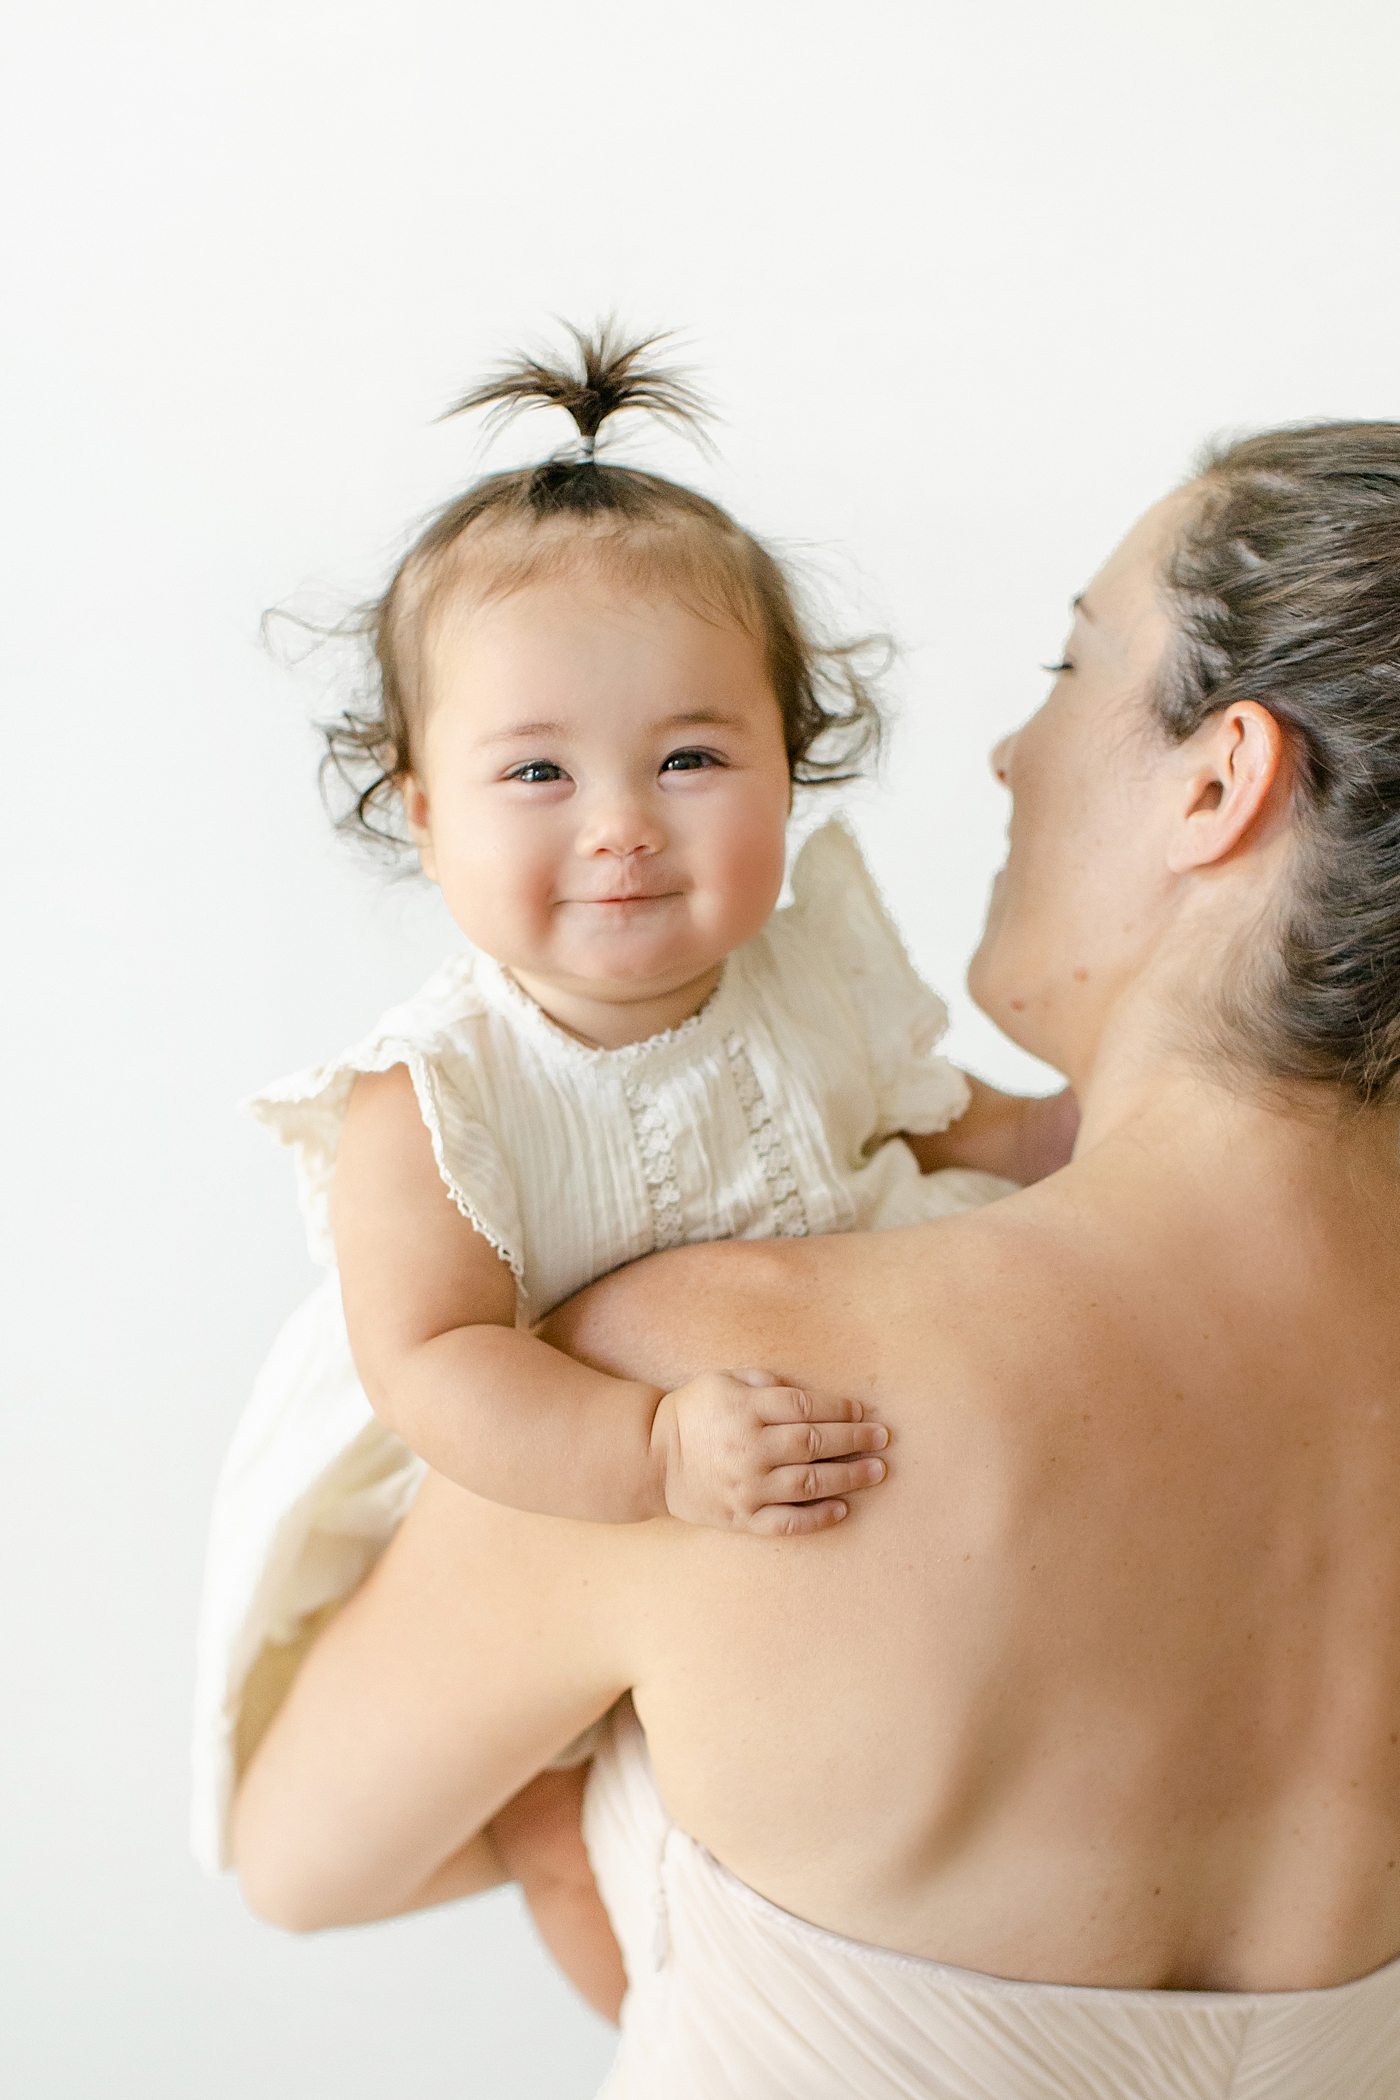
750, 871
491, 898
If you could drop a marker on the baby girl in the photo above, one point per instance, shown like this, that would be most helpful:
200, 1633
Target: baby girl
595, 695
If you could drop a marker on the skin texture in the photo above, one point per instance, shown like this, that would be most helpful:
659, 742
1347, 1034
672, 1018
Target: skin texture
1100, 1688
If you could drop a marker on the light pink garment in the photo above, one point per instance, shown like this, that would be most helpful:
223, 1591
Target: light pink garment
731, 1998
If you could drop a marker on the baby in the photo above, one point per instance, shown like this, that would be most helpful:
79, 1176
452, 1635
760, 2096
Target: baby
596, 694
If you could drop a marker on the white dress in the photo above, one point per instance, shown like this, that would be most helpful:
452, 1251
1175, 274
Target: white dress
731, 1998
765, 1114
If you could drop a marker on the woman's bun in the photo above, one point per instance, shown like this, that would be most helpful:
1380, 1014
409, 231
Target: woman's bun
1284, 588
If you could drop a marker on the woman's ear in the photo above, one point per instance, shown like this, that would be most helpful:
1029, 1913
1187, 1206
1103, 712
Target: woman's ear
1229, 769
414, 797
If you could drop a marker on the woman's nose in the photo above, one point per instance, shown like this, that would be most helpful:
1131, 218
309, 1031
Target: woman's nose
1001, 758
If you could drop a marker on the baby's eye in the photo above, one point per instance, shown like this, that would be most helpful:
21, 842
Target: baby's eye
690, 761
536, 770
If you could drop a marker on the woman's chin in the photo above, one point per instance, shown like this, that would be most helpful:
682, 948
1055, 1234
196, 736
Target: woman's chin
1002, 997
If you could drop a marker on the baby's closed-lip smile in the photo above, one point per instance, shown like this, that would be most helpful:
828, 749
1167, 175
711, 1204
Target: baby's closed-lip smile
624, 897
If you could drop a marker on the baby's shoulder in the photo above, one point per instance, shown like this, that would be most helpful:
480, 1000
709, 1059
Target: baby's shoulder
837, 925
444, 1035
836, 945
450, 1011
441, 1032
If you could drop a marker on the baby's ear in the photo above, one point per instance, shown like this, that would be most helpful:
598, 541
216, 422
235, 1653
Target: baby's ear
414, 797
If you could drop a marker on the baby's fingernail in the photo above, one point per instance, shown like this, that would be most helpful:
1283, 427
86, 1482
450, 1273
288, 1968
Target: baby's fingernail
875, 1470
882, 1437
838, 1510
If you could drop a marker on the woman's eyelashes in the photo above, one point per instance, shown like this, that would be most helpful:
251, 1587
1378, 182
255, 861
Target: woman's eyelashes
1054, 670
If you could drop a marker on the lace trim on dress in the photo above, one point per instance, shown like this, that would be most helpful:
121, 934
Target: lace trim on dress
658, 1164
518, 1001
789, 1211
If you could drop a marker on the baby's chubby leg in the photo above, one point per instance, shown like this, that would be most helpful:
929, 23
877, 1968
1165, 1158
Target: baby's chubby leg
539, 1837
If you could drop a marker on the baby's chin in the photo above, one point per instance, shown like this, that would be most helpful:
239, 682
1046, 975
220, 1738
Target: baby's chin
621, 972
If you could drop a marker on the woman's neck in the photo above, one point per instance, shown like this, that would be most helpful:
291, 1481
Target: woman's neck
1174, 1117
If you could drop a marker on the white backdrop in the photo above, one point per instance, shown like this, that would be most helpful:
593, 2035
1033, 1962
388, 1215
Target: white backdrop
968, 284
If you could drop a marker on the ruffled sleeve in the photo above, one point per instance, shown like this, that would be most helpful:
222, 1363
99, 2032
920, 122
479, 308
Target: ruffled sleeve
900, 1019
307, 1109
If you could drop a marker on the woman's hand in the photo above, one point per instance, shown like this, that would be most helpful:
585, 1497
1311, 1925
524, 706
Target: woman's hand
739, 1452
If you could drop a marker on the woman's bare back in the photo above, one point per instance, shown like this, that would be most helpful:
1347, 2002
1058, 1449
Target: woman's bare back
1101, 1687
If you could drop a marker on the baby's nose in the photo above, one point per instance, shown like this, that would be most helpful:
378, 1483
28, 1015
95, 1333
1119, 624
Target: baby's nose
624, 828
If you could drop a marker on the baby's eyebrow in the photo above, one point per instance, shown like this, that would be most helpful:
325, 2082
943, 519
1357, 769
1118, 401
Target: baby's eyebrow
690, 718
699, 717
524, 729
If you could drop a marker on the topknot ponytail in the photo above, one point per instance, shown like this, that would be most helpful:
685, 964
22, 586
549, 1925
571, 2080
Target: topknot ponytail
514, 530
609, 376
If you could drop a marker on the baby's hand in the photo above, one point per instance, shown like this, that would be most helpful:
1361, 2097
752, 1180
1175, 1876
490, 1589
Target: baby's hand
740, 1452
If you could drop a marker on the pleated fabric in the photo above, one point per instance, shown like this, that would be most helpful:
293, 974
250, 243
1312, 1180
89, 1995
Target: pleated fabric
731, 1998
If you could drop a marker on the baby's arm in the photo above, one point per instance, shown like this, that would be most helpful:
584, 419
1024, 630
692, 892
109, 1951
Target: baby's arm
430, 1309
1019, 1136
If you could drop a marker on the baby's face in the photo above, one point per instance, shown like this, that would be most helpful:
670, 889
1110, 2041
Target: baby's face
602, 789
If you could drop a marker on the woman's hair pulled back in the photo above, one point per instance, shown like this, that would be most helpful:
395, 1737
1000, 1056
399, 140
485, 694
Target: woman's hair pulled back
576, 511
1284, 588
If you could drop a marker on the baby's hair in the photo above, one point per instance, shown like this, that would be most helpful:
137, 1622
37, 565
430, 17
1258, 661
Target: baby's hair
611, 376
575, 511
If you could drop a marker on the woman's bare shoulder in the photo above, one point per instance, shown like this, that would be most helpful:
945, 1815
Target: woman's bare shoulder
847, 1311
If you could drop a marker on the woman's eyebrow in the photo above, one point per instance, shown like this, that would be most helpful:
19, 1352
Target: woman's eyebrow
1077, 605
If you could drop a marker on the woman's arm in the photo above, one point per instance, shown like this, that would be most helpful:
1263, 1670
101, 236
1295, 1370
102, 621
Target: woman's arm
484, 1641
487, 1638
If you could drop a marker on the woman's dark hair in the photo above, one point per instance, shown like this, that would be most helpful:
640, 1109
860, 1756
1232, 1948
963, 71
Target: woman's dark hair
1284, 588
576, 511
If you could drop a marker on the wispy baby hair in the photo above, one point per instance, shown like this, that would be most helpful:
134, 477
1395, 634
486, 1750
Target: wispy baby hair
576, 512
612, 375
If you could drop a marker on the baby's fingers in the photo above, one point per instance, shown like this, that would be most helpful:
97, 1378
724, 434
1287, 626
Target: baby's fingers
803, 1443
784, 1403
824, 1482
790, 1520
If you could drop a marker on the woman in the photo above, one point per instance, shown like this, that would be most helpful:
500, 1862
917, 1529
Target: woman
1098, 1692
